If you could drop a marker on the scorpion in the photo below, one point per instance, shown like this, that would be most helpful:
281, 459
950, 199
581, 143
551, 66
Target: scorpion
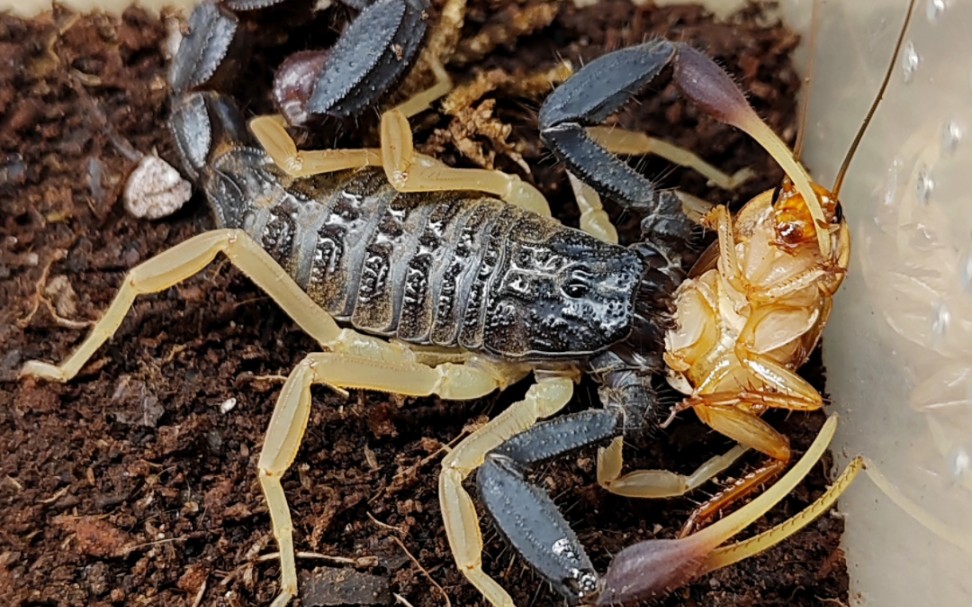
420, 279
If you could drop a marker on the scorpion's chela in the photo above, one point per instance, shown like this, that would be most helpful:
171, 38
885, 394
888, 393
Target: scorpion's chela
420, 279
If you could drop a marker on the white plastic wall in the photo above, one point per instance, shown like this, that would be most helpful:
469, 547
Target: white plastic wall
899, 346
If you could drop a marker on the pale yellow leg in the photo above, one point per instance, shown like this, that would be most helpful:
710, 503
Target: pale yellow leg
273, 137
423, 100
364, 363
270, 131
409, 171
179, 263
593, 220
656, 483
545, 398
634, 143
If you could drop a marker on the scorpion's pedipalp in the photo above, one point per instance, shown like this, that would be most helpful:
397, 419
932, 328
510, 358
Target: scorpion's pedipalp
526, 515
372, 54
251, 5
601, 87
592, 94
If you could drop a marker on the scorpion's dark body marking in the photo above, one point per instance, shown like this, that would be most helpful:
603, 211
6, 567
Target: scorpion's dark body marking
452, 269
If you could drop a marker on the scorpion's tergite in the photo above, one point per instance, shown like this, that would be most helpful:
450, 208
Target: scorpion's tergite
417, 279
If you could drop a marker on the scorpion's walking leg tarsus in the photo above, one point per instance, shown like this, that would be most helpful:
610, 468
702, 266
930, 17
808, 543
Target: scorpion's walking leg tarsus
656, 483
546, 397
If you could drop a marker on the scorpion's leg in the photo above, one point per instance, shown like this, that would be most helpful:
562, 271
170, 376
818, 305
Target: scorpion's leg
654, 567
409, 171
634, 143
406, 169
656, 483
366, 363
544, 398
179, 263
593, 219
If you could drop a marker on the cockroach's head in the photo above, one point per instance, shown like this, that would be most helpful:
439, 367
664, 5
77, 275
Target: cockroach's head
794, 224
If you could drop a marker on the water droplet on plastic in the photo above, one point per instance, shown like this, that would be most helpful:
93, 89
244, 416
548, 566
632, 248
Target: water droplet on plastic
951, 135
909, 61
934, 10
943, 319
966, 276
925, 185
961, 462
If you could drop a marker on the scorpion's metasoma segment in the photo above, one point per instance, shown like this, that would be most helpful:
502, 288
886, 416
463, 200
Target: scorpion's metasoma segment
474, 294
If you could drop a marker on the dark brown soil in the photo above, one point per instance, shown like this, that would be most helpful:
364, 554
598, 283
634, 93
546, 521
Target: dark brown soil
129, 486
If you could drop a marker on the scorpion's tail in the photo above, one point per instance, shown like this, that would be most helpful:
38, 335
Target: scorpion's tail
202, 125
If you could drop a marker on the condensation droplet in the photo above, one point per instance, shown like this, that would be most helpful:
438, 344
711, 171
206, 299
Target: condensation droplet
966, 276
951, 135
943, 318
909, 61
934, 10
925, 185
961, 462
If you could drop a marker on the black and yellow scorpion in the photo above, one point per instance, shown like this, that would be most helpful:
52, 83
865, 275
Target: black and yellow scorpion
419, 279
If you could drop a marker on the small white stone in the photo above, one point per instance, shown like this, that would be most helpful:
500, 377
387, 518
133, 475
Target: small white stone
227, 405
155, 189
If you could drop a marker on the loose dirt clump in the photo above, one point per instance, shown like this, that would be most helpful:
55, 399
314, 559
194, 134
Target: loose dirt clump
135, 484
